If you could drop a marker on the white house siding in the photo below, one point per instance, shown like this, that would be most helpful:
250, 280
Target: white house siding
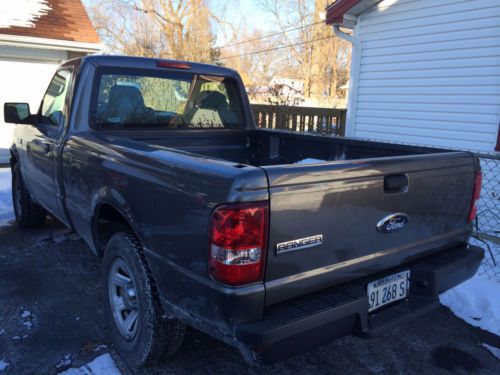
429, 73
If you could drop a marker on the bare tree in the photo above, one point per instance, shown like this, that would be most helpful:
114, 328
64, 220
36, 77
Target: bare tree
330, 59
315, 54
256, 69
178, 29
302, 48
294, 14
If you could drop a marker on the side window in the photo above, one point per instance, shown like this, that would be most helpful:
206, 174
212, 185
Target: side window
54, 101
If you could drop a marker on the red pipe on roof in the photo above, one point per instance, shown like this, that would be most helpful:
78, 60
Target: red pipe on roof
335, 12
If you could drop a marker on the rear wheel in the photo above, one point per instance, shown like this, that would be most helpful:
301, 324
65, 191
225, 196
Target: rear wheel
140, 333
28, 213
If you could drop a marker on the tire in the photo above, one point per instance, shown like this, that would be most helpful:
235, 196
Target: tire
129, 287
28, 213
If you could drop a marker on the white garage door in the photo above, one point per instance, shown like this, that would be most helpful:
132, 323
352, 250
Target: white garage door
21, 82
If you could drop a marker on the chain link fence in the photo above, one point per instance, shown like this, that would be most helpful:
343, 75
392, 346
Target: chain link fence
487, 223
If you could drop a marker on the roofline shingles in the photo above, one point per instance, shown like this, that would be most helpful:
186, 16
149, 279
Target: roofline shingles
66, 20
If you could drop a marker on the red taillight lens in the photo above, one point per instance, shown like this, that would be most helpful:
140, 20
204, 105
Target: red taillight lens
476, 194
172, 64
238, 236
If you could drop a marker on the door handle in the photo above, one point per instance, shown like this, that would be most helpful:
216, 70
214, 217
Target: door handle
397, 183
46, 147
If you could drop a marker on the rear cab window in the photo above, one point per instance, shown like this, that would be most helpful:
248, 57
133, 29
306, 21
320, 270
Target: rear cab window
135, 99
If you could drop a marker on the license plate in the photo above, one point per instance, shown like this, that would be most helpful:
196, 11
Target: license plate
388, 290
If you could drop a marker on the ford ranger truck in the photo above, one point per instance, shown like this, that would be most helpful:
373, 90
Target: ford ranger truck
202, 219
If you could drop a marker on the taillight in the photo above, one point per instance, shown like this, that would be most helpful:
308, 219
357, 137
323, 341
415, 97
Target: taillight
172, 64
238, 240
476, 194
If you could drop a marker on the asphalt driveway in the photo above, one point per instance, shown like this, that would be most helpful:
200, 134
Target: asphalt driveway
51, 318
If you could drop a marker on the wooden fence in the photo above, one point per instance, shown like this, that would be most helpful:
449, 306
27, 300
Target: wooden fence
301, 119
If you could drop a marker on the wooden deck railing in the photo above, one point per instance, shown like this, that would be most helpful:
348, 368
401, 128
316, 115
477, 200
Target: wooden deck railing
301, 119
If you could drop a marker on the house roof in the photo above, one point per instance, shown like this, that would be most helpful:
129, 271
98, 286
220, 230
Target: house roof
50, 19
344, 12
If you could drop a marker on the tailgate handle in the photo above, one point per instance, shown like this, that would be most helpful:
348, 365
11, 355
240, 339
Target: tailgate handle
396, 184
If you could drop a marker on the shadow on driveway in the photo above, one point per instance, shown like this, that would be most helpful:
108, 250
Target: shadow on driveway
51, 318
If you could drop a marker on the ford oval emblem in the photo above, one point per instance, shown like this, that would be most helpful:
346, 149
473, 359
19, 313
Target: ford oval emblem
393, 223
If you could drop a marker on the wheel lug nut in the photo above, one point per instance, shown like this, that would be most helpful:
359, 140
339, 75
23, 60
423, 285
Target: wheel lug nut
130, 292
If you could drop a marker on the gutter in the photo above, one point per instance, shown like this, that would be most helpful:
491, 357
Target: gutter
352, 100
50, 44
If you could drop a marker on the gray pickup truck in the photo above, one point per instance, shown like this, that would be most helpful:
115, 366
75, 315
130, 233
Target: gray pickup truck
202, 219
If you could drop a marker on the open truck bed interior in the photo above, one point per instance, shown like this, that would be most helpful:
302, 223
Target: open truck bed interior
265, 148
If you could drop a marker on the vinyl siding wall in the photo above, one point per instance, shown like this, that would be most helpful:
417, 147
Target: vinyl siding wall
429, 73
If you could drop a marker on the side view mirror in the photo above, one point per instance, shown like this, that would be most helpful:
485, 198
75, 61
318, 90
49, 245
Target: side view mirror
18, 113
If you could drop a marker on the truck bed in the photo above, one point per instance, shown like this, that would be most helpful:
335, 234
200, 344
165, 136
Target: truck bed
262, 147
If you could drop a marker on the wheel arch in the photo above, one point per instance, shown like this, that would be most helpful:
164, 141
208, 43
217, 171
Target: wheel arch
108, 219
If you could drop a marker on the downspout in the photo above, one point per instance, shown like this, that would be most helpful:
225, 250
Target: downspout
352, 99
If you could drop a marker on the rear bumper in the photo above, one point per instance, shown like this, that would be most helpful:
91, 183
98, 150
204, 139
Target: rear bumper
303, 323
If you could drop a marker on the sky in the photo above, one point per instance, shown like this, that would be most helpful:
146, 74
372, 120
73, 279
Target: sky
250, 14
255, 16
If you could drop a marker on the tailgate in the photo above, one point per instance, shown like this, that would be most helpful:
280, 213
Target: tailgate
332, 222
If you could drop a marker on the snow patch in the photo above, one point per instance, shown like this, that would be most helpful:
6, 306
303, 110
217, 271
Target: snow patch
102, 365
23, 13
26, 319
493, 350
2, 331
3, 365
6, 209
476, 301
17, 337
66, 361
